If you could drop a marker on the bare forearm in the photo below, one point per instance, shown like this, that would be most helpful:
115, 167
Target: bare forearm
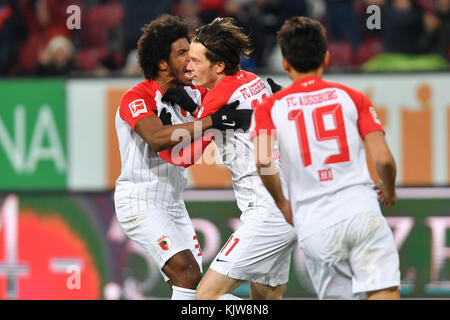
168, 136
384, 161
387, 172
271, 180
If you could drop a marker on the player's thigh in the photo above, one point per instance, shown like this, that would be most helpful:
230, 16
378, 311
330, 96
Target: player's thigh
260, 291
254, 251
186, 231
374, 256
156, 232
280, 261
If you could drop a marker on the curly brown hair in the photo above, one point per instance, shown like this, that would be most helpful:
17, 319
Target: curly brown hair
225, 42
155, 44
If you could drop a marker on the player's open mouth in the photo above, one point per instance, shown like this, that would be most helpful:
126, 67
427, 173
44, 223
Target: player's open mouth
188, 74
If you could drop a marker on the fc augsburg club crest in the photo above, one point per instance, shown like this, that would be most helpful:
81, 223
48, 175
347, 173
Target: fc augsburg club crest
164, 242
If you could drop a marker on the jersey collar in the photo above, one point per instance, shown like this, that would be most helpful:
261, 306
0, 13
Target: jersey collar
308, 82
154, 86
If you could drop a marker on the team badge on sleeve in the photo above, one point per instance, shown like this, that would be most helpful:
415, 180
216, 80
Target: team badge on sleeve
137, 107
164, 242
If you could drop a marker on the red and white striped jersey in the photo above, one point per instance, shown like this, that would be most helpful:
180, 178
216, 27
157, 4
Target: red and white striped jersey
146, 180
319, 125
236, 149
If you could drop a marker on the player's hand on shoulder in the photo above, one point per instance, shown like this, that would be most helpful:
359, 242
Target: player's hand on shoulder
273, 85
165, 117
224, 118
180, 97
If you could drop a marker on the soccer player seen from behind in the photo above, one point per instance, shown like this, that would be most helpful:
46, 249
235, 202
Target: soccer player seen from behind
349, 248
260, 249
148, 201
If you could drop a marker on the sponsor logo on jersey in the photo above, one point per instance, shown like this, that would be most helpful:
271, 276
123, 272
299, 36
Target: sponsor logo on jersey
137, 107
257, 87
164, 242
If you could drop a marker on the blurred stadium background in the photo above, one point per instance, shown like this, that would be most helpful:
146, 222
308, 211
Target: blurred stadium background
59, 90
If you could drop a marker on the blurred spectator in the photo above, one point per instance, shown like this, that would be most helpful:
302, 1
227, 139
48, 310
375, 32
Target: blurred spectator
406, 27
110, 29
437, 26
251, 17
101, 43
248, 16
137, 13
132, 67
193, 23
343, 33
211, 9
44, 20
341, 22
197, 12
187, 10
402, 26
273, 13
316, 9
57, 59
12, 33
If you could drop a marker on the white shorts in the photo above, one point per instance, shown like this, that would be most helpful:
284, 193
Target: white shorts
352, 257
161, 235
259, 251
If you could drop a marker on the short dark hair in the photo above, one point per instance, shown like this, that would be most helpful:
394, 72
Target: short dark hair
225, 42
303, 43
155, 44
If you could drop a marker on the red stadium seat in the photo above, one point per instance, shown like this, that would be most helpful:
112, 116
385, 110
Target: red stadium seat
340, 54
89, 58
98, 21
367, 50
97, 25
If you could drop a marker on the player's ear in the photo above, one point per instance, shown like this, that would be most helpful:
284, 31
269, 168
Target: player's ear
326, 60
163, 65
286, 65
220, 67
